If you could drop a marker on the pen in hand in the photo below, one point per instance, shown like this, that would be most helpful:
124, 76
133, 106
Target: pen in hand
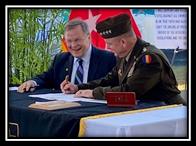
66, 79
65, 82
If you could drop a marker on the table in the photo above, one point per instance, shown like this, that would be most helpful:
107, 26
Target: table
167, 121
24, 122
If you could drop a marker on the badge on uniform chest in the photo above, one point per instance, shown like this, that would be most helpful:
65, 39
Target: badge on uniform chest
130, 73
121, 99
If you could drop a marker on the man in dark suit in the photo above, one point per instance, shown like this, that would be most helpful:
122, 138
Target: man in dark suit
141, 67
96, 62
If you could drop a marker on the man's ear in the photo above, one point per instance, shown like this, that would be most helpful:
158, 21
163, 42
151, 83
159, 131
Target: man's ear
124, 42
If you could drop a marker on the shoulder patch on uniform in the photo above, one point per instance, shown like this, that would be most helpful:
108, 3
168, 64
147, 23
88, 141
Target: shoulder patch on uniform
146, 59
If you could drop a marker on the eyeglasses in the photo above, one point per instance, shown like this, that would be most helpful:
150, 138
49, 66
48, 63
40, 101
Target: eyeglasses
77, 41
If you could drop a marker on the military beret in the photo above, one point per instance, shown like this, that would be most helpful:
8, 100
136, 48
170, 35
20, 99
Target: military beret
114, 26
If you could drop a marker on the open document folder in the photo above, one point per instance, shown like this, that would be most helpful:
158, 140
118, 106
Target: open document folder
65, 97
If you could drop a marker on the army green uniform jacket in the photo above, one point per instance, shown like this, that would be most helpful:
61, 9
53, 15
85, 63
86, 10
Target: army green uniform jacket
147, 73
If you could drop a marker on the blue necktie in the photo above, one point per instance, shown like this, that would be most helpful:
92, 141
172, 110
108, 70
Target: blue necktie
79, 73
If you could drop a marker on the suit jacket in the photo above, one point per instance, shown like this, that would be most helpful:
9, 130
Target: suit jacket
101, 62
147, 73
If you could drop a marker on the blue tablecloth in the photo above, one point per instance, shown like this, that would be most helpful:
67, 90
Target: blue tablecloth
25, 122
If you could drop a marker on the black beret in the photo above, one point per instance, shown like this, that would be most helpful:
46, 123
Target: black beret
114, 26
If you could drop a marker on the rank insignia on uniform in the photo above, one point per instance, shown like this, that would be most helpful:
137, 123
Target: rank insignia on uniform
146, 59
130, 73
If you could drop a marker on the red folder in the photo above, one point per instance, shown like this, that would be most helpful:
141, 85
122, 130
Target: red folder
121, 99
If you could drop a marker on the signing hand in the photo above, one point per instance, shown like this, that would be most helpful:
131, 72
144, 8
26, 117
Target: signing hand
68, 87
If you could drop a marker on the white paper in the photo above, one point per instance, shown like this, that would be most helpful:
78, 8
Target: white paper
65, 97
13, 88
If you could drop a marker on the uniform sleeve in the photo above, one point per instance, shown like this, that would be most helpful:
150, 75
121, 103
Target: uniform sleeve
146, 74
111, 79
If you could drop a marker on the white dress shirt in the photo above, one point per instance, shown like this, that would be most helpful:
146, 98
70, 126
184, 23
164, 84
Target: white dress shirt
85, 64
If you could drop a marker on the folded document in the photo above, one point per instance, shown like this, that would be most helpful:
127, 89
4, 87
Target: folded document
53, 105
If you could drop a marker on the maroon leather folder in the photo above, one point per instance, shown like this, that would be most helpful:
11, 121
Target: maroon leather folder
121, 99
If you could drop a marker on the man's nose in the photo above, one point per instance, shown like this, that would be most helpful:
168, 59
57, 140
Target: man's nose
73, 43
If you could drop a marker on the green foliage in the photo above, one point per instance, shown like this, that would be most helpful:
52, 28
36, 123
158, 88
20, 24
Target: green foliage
181, 74
34, 38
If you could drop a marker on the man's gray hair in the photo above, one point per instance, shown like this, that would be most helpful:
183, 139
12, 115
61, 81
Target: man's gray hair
75, 22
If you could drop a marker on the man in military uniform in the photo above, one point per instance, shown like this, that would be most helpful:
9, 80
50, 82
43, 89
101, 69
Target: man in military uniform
141, 67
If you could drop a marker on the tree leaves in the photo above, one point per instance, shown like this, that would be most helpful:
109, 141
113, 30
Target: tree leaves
34, 38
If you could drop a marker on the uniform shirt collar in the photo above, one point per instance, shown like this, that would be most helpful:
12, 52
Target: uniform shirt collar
128, 55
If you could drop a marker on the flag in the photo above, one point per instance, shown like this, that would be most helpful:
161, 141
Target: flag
93, 16
64, 47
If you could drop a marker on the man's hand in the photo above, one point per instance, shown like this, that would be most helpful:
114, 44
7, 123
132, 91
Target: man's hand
68, 87
26, 86
84, 93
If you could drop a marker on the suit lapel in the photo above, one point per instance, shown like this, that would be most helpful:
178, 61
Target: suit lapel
68, 67
134, 54
126, 70
94, 62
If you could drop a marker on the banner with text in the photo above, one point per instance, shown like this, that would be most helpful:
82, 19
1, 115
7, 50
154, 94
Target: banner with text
170, 28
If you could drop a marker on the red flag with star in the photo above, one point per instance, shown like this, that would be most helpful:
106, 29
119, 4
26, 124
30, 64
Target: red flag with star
92, 16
